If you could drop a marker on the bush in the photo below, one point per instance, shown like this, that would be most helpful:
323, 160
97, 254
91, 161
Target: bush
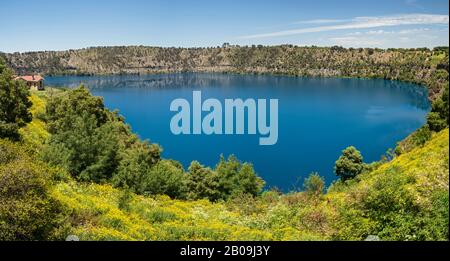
438, 118
237, 178
63, 108
164, 178
314, 184
202, 182
27, 209
135, 165
93, 143
421, 136
88, 152
350, 164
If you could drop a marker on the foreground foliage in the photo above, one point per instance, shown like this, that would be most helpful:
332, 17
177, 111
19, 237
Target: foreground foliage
404, 199
398, 201
27, 210
14, 104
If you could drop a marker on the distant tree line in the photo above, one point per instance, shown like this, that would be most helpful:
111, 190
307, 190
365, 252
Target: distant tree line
418, 65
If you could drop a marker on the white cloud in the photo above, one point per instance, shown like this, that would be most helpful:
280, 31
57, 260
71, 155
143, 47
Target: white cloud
377, 32
352, 41
414, 31
362, 23
321, 21
407, 38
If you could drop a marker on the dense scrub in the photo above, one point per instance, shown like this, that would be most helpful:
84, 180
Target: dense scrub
28, 211
398, 201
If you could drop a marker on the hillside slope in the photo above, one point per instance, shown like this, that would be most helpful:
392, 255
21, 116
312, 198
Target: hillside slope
423, 66
405, 199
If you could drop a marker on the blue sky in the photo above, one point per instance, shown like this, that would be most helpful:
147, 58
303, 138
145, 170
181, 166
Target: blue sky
28, 25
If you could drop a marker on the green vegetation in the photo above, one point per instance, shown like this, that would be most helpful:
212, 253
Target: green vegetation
398, 201
14, 104
94, 144
78, 169
438, 117
350, 164
27, 209
421, 65
314, 184
404, 199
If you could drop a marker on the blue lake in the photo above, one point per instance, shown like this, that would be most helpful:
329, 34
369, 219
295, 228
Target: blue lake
318, 118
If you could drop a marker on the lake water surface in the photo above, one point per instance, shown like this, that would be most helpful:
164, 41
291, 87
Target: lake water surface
318, 117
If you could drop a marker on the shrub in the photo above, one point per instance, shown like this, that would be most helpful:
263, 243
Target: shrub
88, 152
314, 184
438, 118
349, 164
27, 209
421, 136
164, 178
237, 178
202, 182
134, 165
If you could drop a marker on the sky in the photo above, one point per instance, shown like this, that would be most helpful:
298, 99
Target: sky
30, 25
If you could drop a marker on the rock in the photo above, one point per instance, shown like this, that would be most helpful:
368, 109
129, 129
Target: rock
372, 238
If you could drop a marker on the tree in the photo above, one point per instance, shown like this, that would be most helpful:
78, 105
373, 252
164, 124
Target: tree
88, 152
14, 104
202, 182
237, 178
135, 164
165, 178
314, 184
438, 118
422, 135
87, 139
62, 109
350, 164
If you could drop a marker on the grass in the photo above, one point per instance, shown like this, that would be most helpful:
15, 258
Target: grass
35, 132
101, 212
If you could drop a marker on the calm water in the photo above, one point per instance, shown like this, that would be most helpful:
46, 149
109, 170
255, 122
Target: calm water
317, 118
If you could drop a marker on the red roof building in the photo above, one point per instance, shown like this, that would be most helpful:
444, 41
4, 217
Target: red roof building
35, 82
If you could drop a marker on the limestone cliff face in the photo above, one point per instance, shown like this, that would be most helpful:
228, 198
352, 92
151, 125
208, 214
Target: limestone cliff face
424, 66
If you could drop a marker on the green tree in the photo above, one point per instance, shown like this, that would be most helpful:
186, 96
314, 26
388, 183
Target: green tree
202, 182
350, 164
62, 109
86, 139
438, 118
166, 179
14, 104
135, 164
314, 184
88, 152
237, 178
422, 135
